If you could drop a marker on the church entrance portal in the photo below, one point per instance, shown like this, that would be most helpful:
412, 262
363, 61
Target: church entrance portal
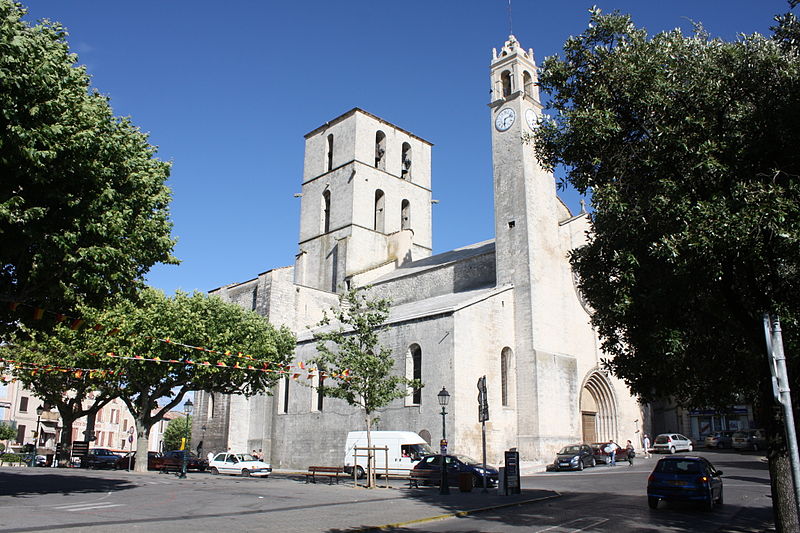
598, 409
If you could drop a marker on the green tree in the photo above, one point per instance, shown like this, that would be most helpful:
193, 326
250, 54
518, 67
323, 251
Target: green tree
353, 348
225, 331
177, 430
688, 146
83, 201
7, 432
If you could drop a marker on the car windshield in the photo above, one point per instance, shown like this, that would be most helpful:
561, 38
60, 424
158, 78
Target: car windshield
566, 450
467, 460
245, 457
662, 439
739, 435
678, 466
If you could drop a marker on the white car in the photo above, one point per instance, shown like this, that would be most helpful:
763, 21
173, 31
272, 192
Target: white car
671, 443
240, 464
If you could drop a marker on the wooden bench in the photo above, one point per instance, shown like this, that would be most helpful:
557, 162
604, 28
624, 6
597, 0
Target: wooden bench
424, 476
331, 472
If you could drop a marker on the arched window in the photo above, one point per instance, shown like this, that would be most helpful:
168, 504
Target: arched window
380, 201
329, 153
413, 371
505, 366
527, 82
405, 170
405, 215
210, 407
505, 78
380, 149
254, 303
326, 211
285, 406
320, 392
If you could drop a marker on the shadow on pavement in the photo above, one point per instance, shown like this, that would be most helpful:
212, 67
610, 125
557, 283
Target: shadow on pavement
21, 485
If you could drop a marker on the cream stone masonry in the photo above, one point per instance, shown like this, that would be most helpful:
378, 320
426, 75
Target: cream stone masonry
507, 308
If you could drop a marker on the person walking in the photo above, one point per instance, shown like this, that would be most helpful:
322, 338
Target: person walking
630, 452
611, 450
646, 445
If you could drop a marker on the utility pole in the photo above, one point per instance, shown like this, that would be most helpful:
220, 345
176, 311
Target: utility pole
782, 394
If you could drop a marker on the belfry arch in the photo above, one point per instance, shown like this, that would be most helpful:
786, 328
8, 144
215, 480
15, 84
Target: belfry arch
598, 409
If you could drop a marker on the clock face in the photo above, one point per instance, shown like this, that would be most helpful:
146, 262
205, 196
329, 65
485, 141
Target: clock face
505, 119
531, 119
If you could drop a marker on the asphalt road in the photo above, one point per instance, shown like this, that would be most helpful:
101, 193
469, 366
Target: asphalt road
597, 499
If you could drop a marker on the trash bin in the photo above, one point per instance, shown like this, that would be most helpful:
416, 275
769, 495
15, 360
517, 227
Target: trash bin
465, 482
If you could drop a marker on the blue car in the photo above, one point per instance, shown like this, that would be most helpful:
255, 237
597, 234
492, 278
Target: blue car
458, 464
688, 479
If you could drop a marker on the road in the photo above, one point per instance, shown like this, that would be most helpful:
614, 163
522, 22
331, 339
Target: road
597, 499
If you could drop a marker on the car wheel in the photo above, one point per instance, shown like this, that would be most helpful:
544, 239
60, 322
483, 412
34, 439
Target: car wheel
672, 449
580, 465
214, 471
719, 499
755, 447
593, 462
360, 472
690, 448
652, 502
708, 505
245, 472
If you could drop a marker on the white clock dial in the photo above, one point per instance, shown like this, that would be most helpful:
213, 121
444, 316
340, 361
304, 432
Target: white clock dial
505, 119
531, 119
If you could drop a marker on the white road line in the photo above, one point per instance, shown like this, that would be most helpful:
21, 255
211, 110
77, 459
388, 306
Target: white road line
82, 504
571, 529
90, 507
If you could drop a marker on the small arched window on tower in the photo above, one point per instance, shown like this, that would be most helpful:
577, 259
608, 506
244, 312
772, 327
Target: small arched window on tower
527, 81
380, 202
405, 170
415, 353
329, 154
505, 79
405, 215
326, 211
380, 150
505, 368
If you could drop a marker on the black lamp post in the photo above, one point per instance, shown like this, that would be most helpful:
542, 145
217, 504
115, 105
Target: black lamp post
39, 411
187, 409
444, 398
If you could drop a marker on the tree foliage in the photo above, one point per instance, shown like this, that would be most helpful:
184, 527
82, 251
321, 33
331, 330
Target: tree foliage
83, 201
688, 146
178, 429
353, 347
7, 432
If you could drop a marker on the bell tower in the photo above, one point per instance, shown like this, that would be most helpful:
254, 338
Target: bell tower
366, 201
527, 249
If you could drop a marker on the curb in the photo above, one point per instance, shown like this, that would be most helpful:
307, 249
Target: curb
457, 514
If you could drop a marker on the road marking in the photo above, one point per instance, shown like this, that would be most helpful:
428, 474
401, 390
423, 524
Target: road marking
565, 529
90, 507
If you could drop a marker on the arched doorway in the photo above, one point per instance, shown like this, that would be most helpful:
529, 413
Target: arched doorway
598, 409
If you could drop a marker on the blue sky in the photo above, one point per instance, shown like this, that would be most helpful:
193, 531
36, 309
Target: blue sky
228, 89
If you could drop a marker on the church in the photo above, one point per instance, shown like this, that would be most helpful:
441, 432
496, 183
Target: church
506, 308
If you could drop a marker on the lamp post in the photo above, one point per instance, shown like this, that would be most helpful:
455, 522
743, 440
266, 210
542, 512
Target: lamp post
39, 411
187, 409
444, 399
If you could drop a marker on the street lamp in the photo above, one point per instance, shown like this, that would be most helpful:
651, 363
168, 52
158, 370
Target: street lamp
39, 411
444, 398
187, 409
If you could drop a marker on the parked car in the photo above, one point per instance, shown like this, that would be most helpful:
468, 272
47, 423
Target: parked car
720, 439
671, 443
242, 464
154, 461
752, 439
458, 464
691, 479
173, 460
602, 456
574, 457
99, 458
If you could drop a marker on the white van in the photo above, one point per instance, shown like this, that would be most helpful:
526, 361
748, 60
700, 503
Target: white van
404, 450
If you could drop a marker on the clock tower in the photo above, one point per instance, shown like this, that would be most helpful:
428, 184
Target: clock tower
527, 250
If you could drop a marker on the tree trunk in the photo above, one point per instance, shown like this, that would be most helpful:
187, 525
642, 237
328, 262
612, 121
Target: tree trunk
142, 445
90, 423
370, 456
67, 421
784, 507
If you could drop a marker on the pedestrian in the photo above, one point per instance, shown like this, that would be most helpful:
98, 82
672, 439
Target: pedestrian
630, 451
611, 450
646, 445
255, 455
210, 456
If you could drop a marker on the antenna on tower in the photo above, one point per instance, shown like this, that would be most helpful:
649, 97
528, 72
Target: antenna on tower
510, 21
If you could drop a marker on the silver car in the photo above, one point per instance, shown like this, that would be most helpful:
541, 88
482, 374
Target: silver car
242, 464
671, 443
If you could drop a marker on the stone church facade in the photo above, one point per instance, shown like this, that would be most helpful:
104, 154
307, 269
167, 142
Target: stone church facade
505, 308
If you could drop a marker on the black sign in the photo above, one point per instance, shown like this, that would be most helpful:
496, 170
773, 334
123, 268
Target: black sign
511, 483
80, 448
483, 403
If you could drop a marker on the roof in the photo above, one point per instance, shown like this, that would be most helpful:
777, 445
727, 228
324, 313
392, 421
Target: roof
438, 261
